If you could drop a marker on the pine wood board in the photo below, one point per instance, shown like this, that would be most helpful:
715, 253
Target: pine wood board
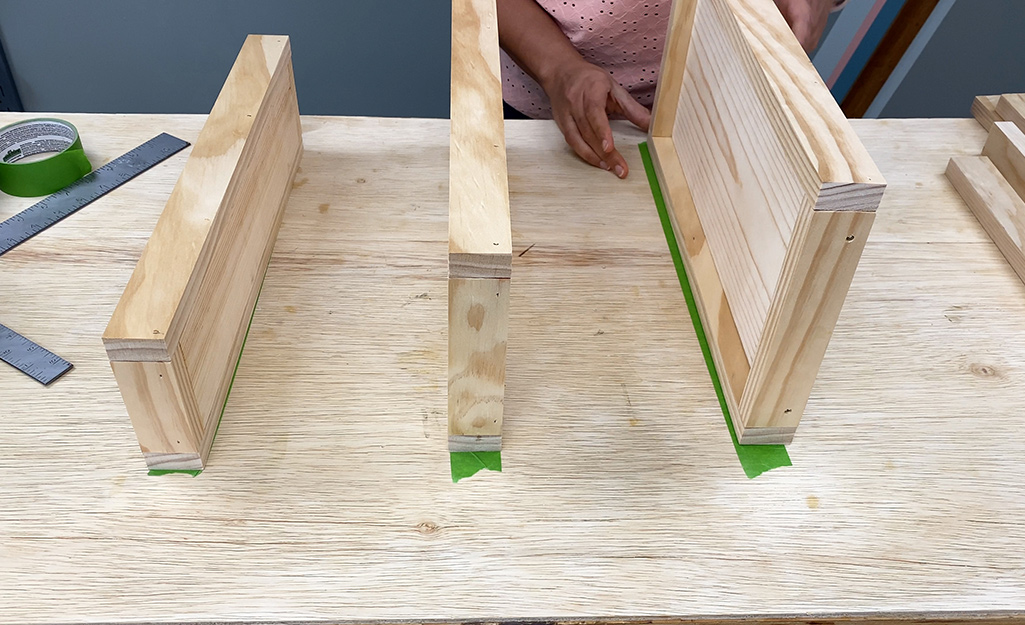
192, 294
327, 495
984, 110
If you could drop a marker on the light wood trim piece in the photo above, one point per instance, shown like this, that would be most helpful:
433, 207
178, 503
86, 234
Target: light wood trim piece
772, 196
480, 234
1006, 148
996, 205
984, 110
713, 308
820, 265
1011, 107
674, 60
478, 325
190, 298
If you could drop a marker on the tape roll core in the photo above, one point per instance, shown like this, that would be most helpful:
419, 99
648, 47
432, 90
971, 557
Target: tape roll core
66, 164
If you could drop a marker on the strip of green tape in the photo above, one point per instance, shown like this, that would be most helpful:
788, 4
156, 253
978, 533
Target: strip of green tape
231, 385
467, 463
755, 459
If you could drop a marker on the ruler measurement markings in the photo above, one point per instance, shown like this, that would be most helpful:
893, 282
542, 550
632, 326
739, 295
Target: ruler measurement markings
92, 186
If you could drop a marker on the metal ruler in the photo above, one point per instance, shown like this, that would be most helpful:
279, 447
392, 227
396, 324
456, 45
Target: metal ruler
29, 358
75, 196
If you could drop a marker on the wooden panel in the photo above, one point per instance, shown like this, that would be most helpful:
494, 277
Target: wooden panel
328, 496
763, 148
480, 239
1006, 148
984, 109
479, 231
748, 187
1011, 107
193, 291
999, 209
478, 326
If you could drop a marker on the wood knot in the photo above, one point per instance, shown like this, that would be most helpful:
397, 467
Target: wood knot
427, 528
475, 317
985, 371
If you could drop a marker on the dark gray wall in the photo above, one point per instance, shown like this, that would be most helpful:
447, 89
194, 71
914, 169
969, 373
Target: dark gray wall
979, 49
351, 57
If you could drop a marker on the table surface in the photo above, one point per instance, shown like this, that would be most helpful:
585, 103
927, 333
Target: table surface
328, 493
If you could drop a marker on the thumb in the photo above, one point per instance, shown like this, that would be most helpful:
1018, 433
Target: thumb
629, 108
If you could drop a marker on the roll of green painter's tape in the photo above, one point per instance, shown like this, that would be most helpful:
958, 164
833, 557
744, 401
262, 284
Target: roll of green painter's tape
42, 175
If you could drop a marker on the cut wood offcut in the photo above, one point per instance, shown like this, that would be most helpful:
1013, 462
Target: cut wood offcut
177, 332
993, 187
772, 197
479, 235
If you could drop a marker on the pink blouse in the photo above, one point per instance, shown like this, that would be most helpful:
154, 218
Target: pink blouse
622, 36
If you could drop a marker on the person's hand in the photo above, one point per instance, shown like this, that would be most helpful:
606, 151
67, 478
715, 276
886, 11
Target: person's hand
807, 18
582, 96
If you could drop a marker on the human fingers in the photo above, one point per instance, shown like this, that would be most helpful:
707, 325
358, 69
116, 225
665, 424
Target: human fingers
634, 111
571, 133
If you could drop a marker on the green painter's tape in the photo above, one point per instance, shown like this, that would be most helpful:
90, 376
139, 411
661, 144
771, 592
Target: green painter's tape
231, 385
172, 471
66, 161
755, 459
467, 463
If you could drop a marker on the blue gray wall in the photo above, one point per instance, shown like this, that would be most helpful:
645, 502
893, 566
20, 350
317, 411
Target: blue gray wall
351, 57
978, 49
375, 57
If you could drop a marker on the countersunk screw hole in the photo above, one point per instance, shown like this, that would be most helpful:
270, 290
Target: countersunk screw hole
787, 411
850, 238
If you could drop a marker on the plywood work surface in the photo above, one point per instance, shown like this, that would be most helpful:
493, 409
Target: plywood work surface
327, 495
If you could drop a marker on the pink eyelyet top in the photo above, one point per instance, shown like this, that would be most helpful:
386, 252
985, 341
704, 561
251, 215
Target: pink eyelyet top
621, 36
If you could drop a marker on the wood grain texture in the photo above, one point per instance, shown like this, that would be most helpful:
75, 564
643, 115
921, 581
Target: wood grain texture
1011, 107
478, 327
984, 110
327, 497
824, 136
762, 147
995, 203
191, 296
1006, 148
480, 240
